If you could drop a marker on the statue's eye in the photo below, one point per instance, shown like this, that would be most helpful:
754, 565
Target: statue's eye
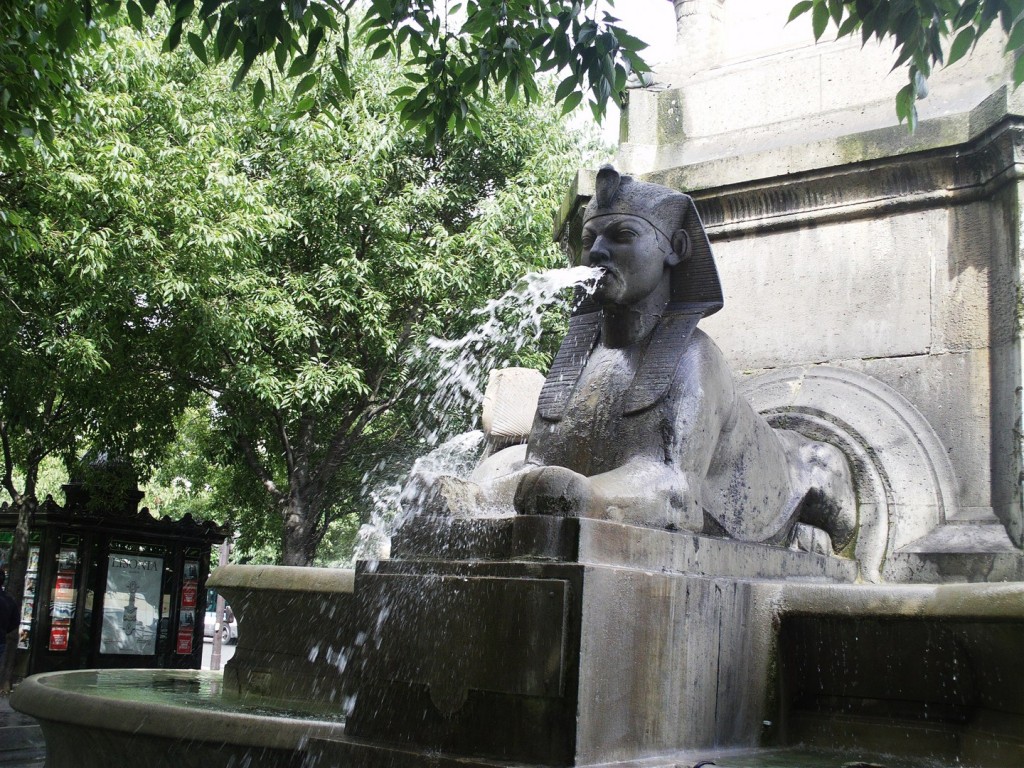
587, 241
625, 235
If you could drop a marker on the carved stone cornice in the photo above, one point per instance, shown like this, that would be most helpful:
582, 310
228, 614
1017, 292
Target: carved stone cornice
951, 175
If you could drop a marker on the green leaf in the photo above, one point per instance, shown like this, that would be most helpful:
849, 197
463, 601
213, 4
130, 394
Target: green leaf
300, 65
314, 40
134, 14
629, 42
198, 47
259, 92
961, 45
173, 38
1018, 69
819, 19
565, 88
378, 36
905, 103
848, 26
799, 9
46, 132
835, 8
243, 70
571, 102
304, 85
1016, 39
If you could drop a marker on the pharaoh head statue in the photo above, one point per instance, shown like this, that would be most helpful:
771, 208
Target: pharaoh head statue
694, 278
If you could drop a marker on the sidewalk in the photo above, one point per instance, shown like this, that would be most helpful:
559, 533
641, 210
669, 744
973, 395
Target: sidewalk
21, 740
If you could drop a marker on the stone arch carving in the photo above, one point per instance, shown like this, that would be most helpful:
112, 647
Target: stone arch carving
905, 482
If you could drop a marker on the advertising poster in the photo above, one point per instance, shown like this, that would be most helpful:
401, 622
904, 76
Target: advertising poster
184, 646
68, 559
131, 605
59, 638
64, 588
189, 592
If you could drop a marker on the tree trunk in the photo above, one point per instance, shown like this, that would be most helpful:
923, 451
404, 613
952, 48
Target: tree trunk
26, 507
301, 536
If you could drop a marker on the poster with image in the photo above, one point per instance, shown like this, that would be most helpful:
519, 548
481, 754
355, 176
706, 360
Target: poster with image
24, 635
68, 559
59, 638
131, 605
184, 644
64, 588
33, 559
189, 593
27, 606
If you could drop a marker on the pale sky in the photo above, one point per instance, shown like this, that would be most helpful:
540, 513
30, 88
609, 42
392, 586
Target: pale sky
654, 22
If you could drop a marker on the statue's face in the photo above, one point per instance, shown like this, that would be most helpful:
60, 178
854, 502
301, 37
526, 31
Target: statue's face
635, 258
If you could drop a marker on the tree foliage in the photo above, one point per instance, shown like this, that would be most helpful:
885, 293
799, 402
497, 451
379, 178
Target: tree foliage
391, 237
177, 242
926, 34
98, 225
452, 54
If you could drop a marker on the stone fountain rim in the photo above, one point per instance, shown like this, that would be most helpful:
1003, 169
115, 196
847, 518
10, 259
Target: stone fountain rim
288, 578
39, 697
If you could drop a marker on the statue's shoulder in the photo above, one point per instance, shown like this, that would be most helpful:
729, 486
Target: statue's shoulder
702, 370
702, 349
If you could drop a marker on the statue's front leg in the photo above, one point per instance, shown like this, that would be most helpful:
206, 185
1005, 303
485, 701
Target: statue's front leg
554, 491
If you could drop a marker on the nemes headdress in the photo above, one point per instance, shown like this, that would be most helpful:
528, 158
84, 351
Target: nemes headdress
695, 293
695, 281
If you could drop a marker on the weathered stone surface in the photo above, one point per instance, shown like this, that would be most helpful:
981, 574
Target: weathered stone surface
599, 542
951, 343
873, 299
743, 80
296, 627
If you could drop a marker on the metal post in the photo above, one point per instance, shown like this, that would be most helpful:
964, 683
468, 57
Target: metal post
217, 640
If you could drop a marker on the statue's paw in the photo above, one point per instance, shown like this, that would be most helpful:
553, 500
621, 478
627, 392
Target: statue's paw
807, 538
446, 496
555, 491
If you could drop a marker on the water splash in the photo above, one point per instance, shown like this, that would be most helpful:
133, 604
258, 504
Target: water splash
453, 375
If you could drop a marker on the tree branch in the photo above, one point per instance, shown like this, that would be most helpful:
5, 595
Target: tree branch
8, 480
257, 467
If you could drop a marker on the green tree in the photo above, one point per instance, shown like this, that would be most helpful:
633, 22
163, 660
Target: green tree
392, 237
452, 53
180, 240
927, 34
98, 228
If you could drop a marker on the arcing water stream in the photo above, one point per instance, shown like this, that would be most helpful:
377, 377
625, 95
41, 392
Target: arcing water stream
452, 388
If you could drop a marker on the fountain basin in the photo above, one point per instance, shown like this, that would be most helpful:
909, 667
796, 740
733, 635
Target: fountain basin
106, 718
897, 676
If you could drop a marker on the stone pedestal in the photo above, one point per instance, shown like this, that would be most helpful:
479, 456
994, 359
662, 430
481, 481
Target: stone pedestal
567, 641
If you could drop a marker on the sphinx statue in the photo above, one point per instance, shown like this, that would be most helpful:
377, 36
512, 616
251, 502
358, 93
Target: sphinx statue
640, 421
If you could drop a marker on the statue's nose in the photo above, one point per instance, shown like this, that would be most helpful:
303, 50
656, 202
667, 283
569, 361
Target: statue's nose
599, 251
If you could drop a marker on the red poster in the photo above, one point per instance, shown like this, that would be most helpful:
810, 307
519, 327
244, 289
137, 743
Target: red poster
64, 587
59, 638
184, 641
188, 594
